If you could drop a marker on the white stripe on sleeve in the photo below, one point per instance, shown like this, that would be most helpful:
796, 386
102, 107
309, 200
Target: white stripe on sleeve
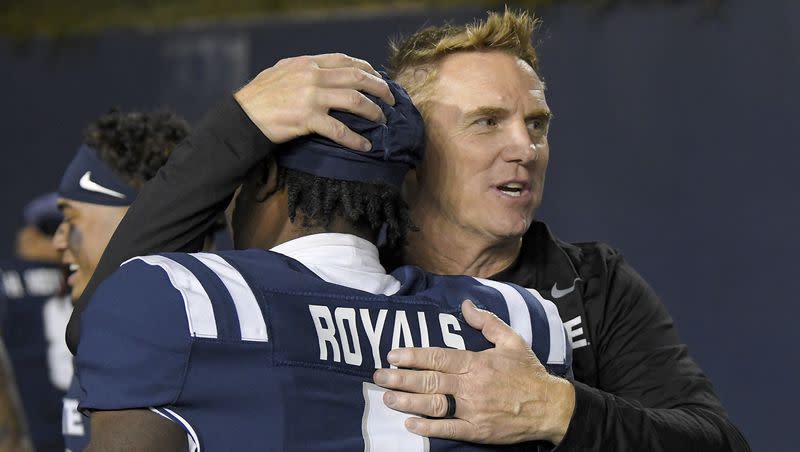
558, 343
198, 305
518, 314
251, 319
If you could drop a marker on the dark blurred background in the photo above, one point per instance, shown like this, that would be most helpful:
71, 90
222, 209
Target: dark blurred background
675, 138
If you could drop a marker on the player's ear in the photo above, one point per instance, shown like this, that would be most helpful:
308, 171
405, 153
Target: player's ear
410, 187
268, 182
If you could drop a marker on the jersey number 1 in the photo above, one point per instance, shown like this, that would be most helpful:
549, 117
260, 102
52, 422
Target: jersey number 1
383, 428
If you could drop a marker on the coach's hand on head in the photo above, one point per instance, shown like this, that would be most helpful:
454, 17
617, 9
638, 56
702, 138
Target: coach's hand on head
292, 98
503, 395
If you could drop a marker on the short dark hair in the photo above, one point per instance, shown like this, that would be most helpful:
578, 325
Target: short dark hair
369, 205
136, 144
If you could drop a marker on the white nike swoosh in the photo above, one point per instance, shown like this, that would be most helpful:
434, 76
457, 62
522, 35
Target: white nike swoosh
555, 292
87, 183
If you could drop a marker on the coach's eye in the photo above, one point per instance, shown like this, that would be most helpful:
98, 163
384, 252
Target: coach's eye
489, 121
538, 124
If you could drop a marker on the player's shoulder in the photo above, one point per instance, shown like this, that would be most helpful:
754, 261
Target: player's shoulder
219, 291
419, 282
140, 299
192, 275
136, 335
532, 316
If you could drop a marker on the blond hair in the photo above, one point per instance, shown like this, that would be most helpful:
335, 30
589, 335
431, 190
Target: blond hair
413, 61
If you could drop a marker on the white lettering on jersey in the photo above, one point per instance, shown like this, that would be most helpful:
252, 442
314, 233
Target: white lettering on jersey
574, 329
339, 332
352, 355
12, 285
423, 330
401, 328
327, 334
71, 419
42, 282
450, 338
384, 428
374, 333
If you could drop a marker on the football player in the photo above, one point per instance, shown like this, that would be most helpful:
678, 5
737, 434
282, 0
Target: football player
35, 311
273, 347
121, 151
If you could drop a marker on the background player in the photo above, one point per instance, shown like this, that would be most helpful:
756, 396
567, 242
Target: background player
121, 151
263, 365
35, 312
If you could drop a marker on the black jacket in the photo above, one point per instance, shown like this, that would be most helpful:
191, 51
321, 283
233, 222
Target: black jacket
636, 389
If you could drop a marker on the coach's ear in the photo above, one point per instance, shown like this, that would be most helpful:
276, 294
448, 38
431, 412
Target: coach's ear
268, 181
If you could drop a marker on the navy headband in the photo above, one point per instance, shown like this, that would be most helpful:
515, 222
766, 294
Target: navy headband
89, 179
397, 146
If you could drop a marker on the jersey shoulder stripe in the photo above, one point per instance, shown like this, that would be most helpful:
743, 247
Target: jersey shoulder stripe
518, 314
221, 301
558, 338
199, 310
535, 318
136, 335
251, 317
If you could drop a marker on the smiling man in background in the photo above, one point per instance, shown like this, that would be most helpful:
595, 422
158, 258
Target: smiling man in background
121, 151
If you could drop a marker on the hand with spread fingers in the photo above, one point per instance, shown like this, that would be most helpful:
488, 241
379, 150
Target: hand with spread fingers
292, 98
502, 395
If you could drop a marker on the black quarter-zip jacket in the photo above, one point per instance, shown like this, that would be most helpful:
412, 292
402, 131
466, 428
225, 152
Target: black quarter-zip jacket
636, 387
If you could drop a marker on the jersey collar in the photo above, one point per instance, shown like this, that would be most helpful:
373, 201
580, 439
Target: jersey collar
342, 259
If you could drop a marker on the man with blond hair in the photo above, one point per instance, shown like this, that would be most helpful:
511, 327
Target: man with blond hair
473, 201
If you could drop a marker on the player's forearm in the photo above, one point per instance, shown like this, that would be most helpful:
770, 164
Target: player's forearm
603, 422
126, 430
13, 428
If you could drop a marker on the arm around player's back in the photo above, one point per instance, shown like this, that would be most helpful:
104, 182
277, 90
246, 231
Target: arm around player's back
133, 354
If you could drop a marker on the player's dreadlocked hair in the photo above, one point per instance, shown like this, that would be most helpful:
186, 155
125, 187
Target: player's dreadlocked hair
365, 205
136, 144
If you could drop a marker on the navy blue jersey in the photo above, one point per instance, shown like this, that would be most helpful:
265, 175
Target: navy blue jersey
33, 323
251, 350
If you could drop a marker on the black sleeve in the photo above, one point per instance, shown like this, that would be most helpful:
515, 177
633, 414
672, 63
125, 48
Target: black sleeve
650, 395
174, 210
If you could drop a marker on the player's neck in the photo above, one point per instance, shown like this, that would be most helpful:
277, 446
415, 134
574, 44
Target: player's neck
295, 230
448, 249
